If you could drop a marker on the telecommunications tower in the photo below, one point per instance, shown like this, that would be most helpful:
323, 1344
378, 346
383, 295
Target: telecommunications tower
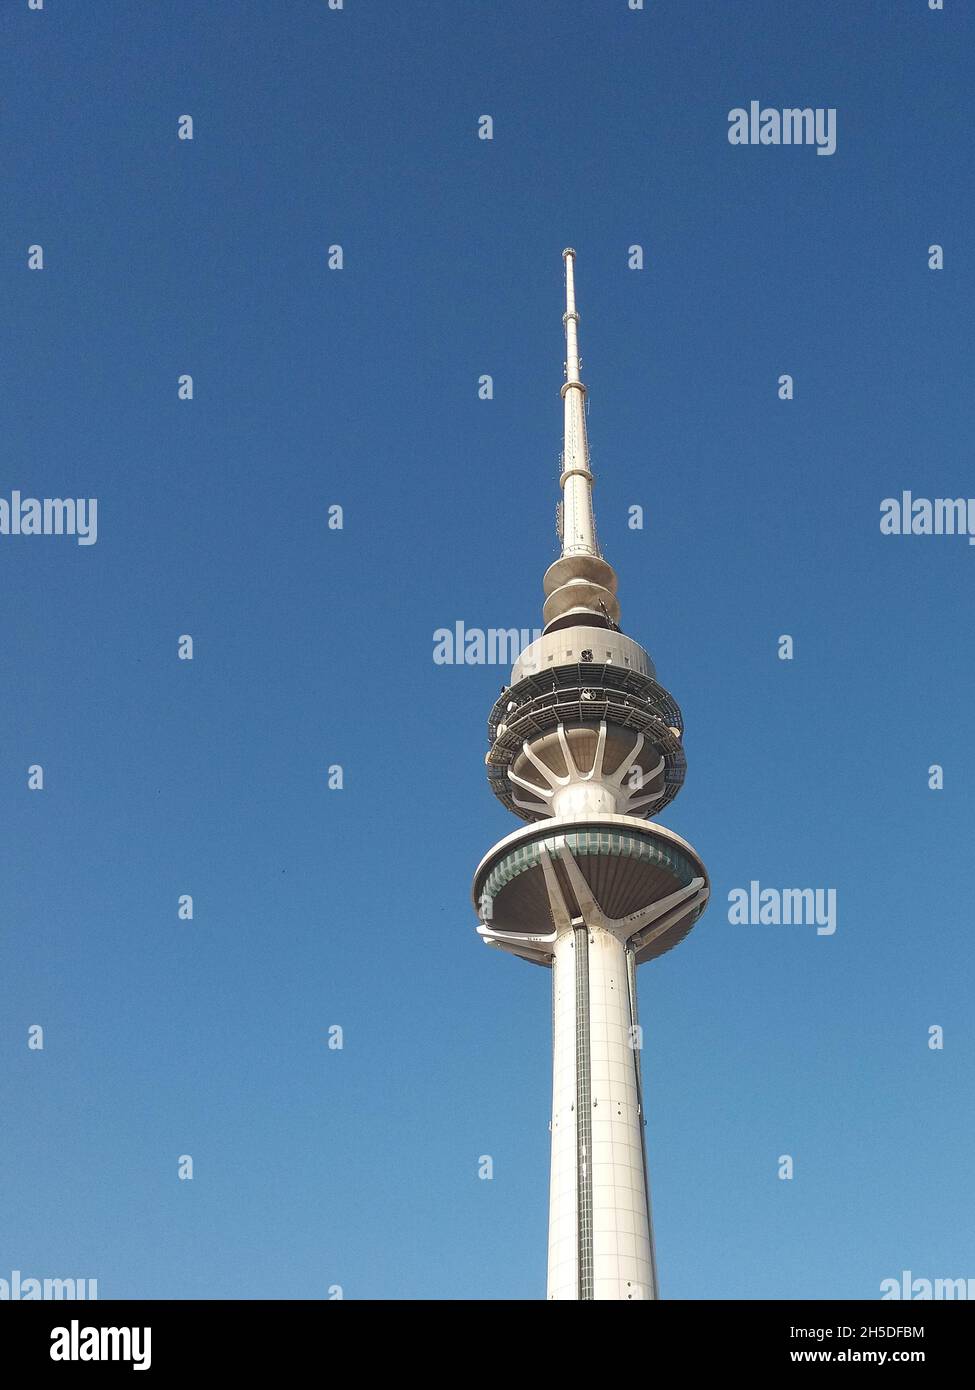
585, 746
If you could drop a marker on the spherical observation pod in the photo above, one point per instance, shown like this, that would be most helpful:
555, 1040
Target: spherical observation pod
629, 865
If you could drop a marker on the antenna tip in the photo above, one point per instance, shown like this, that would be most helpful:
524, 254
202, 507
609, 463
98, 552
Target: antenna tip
569, 251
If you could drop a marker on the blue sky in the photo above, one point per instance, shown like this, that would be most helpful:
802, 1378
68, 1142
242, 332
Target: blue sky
313, 647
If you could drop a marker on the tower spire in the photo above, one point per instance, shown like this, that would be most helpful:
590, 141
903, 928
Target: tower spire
580, 587
578, 522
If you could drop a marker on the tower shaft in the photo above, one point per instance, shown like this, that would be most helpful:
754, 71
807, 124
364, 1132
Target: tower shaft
600, 1235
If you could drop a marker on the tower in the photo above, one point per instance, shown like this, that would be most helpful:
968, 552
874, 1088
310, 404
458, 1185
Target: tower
585, 745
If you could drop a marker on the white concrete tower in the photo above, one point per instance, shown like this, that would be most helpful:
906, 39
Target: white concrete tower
585, 745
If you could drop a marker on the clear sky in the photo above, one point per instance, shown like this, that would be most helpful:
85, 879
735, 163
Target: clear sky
358, 387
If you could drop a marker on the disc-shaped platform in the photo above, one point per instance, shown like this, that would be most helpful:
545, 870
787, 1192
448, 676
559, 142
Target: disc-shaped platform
628, 864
